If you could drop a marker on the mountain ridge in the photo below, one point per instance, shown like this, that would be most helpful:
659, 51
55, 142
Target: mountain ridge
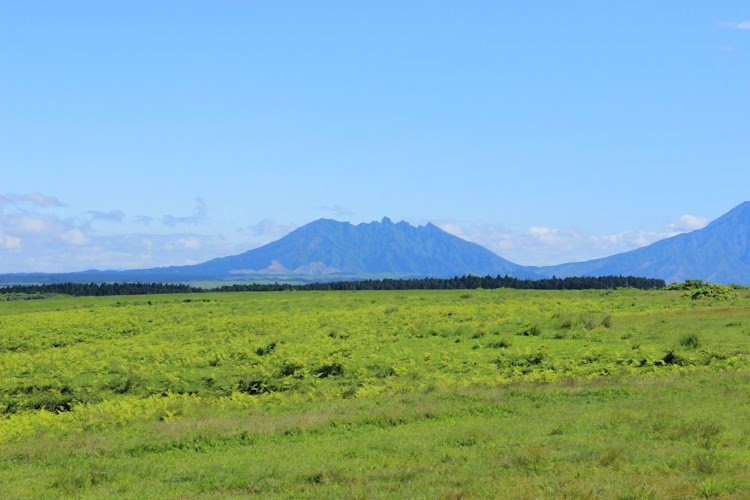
329, 250
366, 248
718, 252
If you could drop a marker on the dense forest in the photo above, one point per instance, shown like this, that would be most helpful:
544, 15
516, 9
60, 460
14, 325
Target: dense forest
463, 282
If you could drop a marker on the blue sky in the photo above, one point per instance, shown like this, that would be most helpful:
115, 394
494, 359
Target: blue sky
139, 134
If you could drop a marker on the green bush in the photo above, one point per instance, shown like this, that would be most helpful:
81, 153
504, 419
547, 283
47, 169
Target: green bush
531, 331
691, 341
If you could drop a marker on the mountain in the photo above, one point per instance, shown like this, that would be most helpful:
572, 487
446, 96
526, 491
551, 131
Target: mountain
329, 247
328, 250
719, 253
325, 250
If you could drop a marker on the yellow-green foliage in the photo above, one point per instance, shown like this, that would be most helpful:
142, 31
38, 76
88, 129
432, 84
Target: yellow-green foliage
76, 364
228, 371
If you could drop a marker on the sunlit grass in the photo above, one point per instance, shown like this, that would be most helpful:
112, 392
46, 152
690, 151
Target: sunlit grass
432, 394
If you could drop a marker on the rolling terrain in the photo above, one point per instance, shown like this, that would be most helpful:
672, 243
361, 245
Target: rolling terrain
376, 394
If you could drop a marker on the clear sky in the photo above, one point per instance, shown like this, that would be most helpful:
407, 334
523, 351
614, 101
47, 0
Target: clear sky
145, 133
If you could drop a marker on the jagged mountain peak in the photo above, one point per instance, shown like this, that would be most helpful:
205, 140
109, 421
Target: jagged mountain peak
719, 252
369, 248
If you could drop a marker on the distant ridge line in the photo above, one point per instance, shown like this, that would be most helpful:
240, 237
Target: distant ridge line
326, 250
468, 282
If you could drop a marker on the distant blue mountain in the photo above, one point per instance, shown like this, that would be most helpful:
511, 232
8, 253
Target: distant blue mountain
719, 253
325, 250
328, 250
329, 247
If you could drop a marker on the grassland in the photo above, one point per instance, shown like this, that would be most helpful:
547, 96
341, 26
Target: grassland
432, 394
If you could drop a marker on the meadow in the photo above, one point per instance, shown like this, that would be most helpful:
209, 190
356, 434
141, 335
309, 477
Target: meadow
375, 394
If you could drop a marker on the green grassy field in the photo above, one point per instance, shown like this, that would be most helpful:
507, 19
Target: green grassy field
418, 394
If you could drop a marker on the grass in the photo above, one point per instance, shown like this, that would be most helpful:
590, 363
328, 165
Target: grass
376, 395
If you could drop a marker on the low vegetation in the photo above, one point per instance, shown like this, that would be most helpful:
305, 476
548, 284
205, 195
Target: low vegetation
11, 292
431, 394
699, 290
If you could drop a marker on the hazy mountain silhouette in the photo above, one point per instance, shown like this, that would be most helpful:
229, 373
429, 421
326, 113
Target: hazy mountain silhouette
330, 250
720, 253
329, 247
325, 250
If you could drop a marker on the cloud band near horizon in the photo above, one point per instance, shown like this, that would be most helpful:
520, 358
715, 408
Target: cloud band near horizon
34, 238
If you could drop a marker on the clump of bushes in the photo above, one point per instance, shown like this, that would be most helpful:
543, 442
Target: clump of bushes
674, 358
500, 344
700, 290
332, 369
262, 351
691, 341
532, 330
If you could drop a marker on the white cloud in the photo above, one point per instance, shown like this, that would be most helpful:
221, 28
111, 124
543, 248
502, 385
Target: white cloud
35, 224
689, 223
75, 237
541, 246
52, 243
77, 250
742, 25
267, 231
10, 242
191, 243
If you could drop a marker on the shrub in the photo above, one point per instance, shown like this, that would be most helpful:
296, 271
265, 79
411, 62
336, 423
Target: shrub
690, 341
711, 292
254, 384
687, 285
262, 351
500, 344
289, 368
332, 369
673, 358
531, 331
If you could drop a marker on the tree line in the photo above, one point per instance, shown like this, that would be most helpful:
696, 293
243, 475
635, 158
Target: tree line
455, 283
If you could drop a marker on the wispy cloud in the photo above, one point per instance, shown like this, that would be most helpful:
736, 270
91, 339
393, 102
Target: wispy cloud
35, 239
142, 219
198, 216
112, 215
337, 210
37, 199
265, 232
742, 25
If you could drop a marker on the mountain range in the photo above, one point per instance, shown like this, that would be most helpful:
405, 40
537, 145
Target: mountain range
326, 250
719, 253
